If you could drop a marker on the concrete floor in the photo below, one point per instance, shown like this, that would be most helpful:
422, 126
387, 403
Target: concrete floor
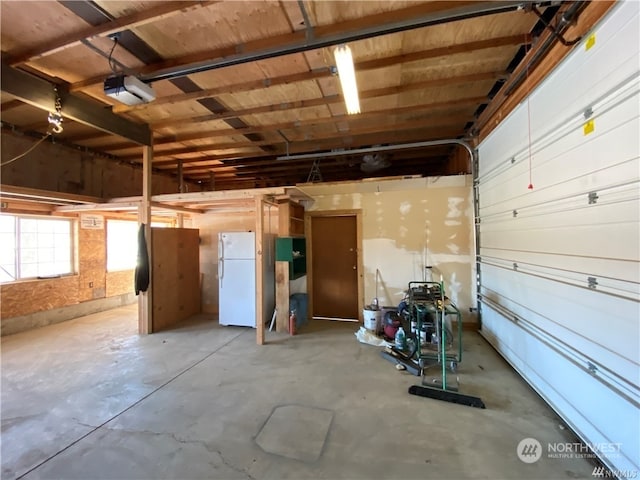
90, 399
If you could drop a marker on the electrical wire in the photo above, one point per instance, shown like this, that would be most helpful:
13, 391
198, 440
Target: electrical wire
112, 64
3, 164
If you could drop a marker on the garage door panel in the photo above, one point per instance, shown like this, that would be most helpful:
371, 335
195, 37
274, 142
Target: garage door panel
568, 265
576, 154
552, 304
559, 265
594, 412
612, 240
585, 74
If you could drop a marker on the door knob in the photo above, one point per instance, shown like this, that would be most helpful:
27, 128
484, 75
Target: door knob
354, 267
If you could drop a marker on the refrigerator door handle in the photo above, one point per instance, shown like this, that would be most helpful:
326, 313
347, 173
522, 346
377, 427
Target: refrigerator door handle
220, 260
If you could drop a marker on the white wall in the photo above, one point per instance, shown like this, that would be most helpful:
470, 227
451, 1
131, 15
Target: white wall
408, 224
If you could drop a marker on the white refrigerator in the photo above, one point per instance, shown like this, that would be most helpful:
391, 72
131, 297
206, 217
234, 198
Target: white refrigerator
237, 278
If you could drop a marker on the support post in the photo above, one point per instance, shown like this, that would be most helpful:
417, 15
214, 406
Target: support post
145, 302
259, 269
180, 177
181, 190
282, 296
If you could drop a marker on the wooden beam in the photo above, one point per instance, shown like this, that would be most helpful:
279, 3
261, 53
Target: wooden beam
203, 197
296, 125
299, 77
40, 93
145, 299
159, 12
177, 138
10, 105
334, 99
100, 207
260, 266
34, 193
175, 208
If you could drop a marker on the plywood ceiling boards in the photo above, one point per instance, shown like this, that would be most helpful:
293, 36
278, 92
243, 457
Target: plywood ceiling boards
22, 30
214, 26
329, 12
445, 94
278, 94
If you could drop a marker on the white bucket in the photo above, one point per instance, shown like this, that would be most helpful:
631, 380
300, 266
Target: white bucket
372, 319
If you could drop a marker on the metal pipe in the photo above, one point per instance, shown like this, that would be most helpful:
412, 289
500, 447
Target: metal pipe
460, 13
385, 148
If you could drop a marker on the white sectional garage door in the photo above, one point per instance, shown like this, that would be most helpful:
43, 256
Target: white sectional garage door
559, 264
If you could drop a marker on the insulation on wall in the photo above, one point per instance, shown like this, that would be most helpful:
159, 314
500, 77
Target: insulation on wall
58, 168
407, 225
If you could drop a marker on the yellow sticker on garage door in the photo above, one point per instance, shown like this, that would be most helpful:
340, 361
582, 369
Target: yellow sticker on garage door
589, 127
591, 41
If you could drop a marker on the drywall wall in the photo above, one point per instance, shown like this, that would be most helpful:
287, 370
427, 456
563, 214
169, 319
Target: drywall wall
409, 224
35, 303
210, 225
62, 169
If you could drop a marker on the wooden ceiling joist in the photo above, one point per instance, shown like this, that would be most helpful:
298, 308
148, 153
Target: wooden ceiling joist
41, 94
336, 99
158, 12
8, 191
410, 18
316, 74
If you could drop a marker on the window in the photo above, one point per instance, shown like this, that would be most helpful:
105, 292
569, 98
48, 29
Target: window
122, 245
34, 247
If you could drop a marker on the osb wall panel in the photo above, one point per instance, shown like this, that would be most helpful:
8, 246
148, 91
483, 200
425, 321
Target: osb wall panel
92, 282
92, 258
175, 276
58, 168
119, 283
33, 296
210, 225
426, 222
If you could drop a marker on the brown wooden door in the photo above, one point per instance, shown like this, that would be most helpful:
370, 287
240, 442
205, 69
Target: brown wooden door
334, 265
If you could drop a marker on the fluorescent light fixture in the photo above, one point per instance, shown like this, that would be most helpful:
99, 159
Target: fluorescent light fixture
347, 75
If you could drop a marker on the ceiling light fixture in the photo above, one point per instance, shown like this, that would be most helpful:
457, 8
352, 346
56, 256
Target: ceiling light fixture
347, 75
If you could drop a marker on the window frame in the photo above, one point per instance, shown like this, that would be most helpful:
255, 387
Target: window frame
18, 253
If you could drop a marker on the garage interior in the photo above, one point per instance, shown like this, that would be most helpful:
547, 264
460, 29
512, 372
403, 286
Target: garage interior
494, 146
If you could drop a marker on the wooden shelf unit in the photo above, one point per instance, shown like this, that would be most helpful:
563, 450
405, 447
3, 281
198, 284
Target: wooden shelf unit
293, 251
291, 219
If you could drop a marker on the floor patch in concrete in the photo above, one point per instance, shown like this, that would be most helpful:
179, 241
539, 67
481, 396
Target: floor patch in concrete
296, 431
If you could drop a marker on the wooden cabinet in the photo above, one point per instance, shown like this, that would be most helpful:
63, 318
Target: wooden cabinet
293, 251
291, 219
